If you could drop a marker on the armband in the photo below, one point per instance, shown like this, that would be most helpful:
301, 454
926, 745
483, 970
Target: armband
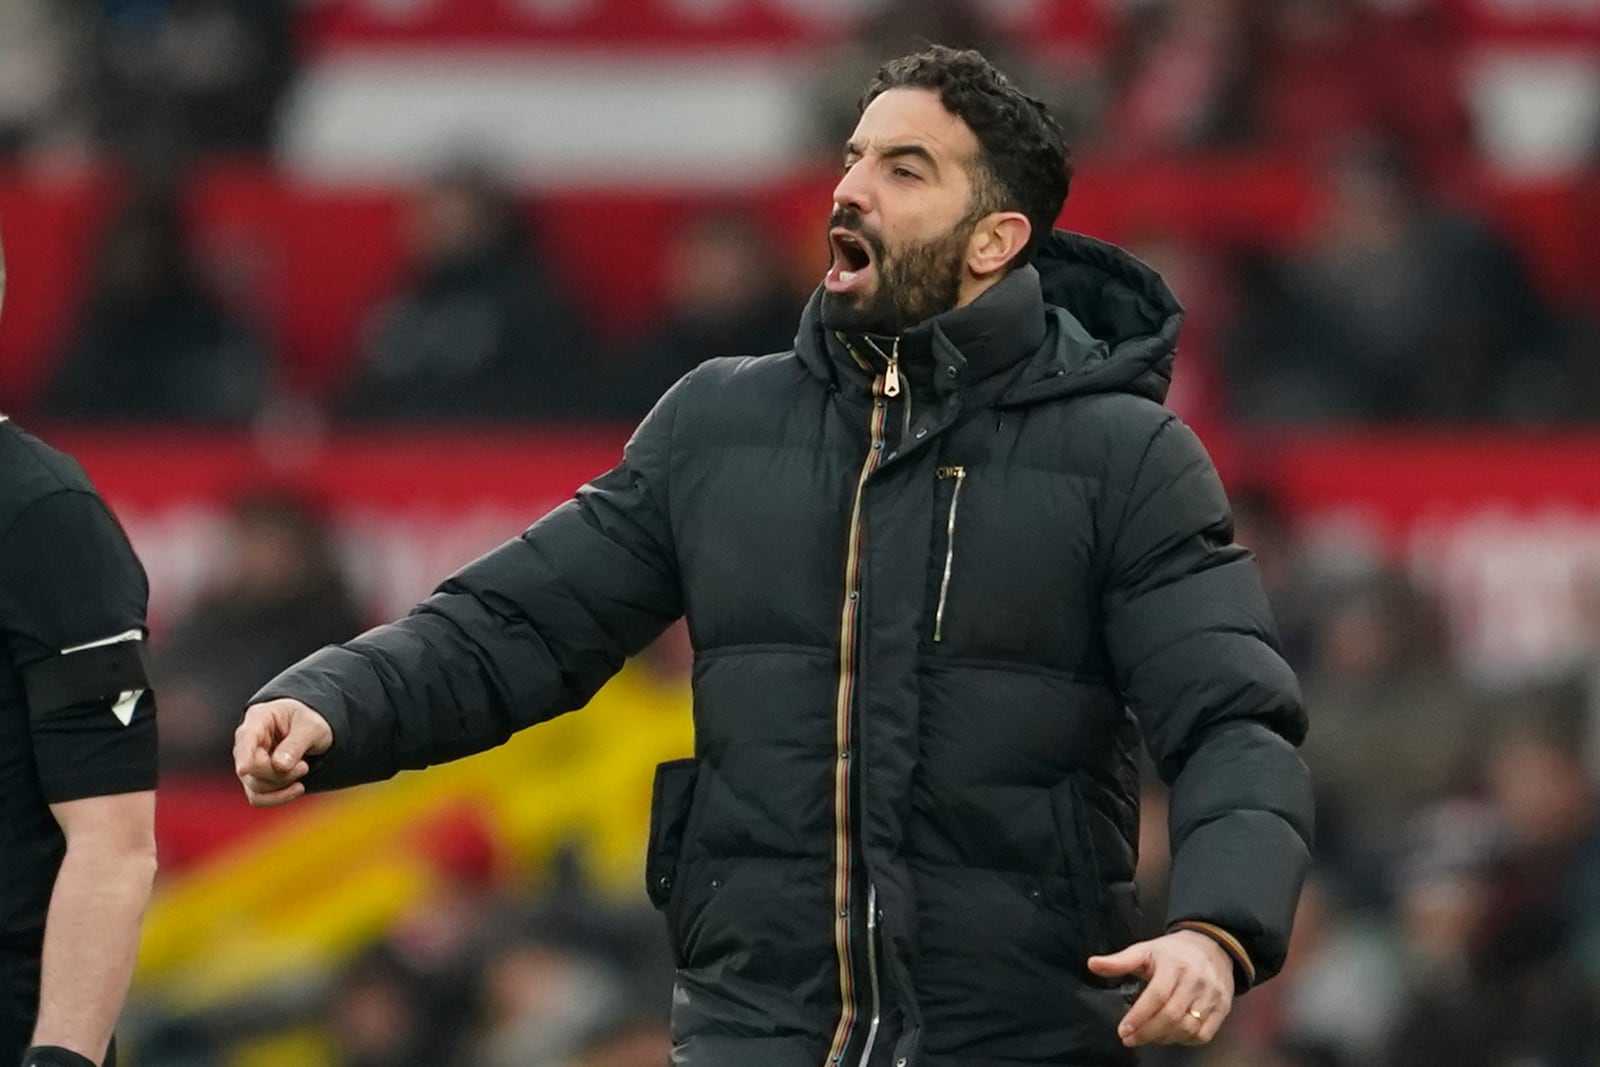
105, 670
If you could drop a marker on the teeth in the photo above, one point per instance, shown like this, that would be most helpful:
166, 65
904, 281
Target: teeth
847, 276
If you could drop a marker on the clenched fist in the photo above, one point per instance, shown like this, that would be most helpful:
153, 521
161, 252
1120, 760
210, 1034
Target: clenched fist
270, 749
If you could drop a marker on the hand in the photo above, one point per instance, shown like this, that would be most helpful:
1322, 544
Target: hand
270, 746
1185, 973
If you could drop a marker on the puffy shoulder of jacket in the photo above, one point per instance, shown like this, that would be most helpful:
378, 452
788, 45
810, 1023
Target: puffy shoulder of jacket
726, 393
746, 375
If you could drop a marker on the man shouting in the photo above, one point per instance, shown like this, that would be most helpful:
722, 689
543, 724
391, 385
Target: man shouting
943, 563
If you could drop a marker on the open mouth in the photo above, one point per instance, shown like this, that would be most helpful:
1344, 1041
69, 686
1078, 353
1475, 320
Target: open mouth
852, 260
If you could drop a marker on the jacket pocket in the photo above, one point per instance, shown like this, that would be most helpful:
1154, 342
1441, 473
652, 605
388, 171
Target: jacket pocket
671, 800
957, 477
1090, 897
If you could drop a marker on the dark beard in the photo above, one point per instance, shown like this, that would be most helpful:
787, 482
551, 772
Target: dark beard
914, 284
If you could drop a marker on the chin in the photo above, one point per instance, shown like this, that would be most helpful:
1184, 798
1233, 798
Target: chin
854, 313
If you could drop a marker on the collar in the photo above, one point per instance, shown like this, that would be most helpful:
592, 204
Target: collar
959, 348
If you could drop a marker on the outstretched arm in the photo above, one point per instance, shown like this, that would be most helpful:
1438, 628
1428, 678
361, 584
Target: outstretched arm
529, 631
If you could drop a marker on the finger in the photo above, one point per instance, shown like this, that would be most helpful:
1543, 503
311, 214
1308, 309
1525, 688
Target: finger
1191, 1023
1215, 1016
252, 745
257, 784
1135, 959
307, 734
256, 762
1207, 1006
270, 783
290, 752
267, 776
1171, 1021
1148, 1006
253, 758
274, 798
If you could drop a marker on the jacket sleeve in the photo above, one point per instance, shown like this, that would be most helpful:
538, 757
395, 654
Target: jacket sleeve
530, 630
1194, 648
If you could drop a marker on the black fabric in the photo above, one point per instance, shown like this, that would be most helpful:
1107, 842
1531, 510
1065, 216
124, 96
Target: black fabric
958, 672
54, 1056
68, 578
85, 676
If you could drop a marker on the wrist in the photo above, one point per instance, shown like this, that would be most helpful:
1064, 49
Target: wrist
55, 1056
1236, 957
1214, 951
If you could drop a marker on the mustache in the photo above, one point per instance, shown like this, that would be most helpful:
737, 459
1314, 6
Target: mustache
849, 218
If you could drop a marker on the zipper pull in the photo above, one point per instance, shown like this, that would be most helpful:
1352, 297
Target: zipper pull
891, 377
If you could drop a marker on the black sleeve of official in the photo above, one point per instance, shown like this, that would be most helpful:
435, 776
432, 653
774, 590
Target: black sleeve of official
72, 602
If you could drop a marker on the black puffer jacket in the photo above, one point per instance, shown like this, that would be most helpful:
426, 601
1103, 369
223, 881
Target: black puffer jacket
932, 611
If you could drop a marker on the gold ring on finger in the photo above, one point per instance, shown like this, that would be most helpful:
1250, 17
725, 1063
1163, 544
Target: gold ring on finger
1197, 1016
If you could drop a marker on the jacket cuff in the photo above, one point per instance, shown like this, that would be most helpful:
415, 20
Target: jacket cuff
1244, 971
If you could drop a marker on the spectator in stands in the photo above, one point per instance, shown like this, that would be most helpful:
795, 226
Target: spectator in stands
413, 998
1182, 77
185, 77
1202, 286
894, 27
1497, 908
282, 595
1451, 1011
481, 329
1335, 69
1262, 524
546, 993
1336, 1000
724, 295
152, 342
378, 1014
446, 936
41, 47
1401, 310
1585, 671
639, 1040
1394, 728
1546, 920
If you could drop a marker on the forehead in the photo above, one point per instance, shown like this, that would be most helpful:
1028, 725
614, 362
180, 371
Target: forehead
914, 116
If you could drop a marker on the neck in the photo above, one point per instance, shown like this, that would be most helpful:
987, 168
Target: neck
973, 286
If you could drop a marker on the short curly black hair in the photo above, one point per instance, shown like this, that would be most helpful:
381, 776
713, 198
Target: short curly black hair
1025, 165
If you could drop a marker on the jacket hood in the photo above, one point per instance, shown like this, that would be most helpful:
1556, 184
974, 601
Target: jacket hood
1114, 320
1110, 325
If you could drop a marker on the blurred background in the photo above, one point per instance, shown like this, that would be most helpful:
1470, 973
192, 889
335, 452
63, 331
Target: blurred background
332, 295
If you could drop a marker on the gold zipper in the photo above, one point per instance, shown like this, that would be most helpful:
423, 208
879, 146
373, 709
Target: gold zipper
850, 616
960, 476
891, 374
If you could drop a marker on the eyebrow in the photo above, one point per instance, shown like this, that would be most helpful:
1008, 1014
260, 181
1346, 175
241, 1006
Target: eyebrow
898, 151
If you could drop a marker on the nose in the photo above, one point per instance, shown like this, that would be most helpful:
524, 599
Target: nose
852, 190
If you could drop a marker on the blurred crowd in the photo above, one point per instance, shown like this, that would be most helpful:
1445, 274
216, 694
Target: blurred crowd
1454, 917
1405, 303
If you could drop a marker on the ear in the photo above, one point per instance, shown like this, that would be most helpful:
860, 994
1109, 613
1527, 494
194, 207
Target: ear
997, 240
